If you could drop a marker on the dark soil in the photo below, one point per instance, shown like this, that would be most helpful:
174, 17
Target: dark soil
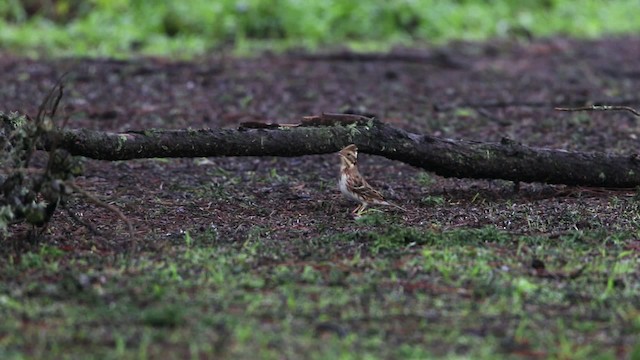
478, 92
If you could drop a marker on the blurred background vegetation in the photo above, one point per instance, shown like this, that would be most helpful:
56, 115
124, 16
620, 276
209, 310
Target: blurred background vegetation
121, 28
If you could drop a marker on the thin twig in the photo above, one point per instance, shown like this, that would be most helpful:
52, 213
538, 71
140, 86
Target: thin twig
601, 108
535, 104
86, 224
109, 207
42, 109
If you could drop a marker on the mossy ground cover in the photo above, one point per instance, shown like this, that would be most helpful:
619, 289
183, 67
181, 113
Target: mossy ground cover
397, 292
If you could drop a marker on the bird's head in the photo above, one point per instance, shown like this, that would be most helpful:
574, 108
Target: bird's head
349, 156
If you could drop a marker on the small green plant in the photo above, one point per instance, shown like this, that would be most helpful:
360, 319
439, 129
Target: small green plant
373, 217
245, 101
275, 177
163, 316
188, 240
432, 200
425, 179
395, 238
464, 112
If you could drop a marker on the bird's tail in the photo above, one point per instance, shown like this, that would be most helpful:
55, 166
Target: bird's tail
388, 203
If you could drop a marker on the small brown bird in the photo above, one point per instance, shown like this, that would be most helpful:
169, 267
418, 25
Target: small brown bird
354, 186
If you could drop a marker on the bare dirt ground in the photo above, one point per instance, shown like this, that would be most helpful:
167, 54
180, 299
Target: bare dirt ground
473, 91
477, 92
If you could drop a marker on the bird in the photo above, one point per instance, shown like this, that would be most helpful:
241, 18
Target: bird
354, 186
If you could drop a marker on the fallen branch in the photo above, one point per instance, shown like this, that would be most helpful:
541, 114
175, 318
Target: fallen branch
506, 160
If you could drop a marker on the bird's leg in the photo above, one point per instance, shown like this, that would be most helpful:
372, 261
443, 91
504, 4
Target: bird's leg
362, 207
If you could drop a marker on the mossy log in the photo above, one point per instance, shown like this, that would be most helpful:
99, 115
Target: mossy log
506, 160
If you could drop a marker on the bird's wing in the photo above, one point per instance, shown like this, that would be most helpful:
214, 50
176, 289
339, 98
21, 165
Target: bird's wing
362, 188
